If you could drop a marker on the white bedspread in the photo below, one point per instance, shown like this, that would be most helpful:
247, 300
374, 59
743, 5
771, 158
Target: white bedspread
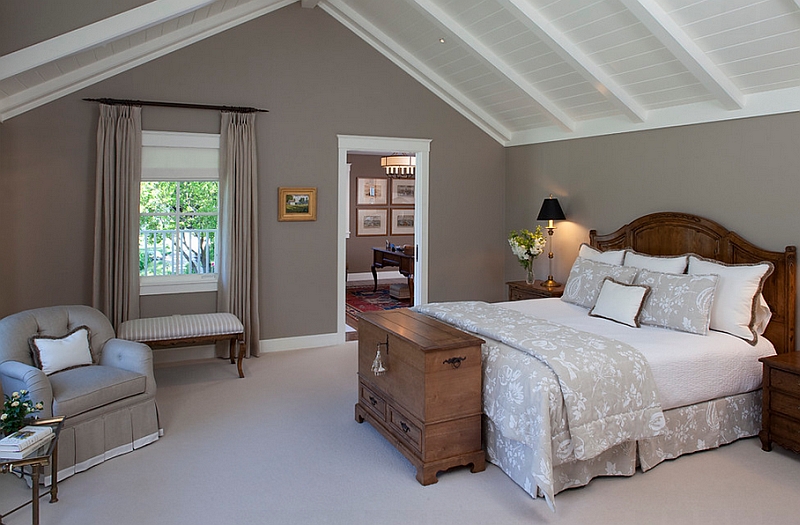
687, 368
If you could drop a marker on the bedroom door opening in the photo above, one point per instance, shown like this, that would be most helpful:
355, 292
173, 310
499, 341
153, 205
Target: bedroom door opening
377, 146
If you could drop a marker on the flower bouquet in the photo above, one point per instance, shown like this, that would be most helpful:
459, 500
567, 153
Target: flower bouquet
527, 245
16, 408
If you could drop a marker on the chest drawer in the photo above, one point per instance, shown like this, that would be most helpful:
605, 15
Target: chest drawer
785, 381
406, 428
374, 402
786, 405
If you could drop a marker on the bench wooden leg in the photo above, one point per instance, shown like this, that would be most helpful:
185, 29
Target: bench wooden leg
241, 357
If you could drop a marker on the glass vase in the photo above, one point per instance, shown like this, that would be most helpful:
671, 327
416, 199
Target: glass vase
530, 276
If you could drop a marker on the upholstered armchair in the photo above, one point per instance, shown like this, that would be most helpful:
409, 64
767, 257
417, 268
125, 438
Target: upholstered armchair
109, 402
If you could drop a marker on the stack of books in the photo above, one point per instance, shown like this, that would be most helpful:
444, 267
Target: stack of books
24, 441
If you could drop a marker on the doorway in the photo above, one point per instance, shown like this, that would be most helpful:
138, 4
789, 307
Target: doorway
384, 146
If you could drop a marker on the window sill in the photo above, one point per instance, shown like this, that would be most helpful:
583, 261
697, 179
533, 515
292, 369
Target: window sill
177, 284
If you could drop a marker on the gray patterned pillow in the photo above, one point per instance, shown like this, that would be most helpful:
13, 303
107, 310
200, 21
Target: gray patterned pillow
678, 302
586, 278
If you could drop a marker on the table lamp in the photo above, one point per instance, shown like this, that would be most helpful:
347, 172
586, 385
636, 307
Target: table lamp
551, 211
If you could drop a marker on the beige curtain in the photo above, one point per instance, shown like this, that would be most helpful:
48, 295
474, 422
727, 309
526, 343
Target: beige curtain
238, 229
116, 230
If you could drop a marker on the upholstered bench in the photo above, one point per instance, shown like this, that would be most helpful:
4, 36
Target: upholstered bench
186, 330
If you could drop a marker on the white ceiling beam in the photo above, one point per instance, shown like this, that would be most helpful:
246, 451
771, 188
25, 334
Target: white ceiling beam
797, 2
385, 45
96, 34
555, 39
493, 61
309, 4
681, 45
117, 63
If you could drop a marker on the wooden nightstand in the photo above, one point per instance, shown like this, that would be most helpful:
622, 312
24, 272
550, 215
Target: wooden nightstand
519, 290
428, 401
780, 417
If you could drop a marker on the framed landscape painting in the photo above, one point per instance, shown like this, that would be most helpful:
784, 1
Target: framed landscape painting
371, 222
297, 204
403, 221
372, 191
403, 191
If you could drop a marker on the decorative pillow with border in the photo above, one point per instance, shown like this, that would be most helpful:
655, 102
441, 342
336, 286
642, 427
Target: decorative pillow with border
736, 298
678, 302
621, 303
586, 278
656, 263
55, 354
608, 257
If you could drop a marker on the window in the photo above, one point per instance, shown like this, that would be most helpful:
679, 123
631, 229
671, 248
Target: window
178, 212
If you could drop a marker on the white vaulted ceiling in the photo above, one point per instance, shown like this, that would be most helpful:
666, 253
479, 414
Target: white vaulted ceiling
524, 71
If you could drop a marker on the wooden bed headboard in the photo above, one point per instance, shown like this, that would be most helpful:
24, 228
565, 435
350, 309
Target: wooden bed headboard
669, 233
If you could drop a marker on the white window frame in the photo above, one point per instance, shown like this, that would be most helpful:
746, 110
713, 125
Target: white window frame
175, 284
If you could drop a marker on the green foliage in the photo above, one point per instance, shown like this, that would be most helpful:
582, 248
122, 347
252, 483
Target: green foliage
178, 224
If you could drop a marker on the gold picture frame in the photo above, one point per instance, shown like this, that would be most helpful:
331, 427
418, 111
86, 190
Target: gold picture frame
297, 204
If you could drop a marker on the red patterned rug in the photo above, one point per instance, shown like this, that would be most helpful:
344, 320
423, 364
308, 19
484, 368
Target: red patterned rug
363, 299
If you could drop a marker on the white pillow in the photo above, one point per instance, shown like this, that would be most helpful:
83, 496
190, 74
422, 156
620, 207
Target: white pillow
54, 354
763, 315
620, 302
736, 297
586, 278
656, 263
608, 257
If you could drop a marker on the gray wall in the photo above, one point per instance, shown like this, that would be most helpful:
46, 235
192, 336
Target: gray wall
743, 174
318, 80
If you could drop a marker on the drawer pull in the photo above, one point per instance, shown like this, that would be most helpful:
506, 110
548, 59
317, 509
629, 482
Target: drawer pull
405, 427
455, 362
373, 400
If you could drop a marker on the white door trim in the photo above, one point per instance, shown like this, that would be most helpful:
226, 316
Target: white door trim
385, 145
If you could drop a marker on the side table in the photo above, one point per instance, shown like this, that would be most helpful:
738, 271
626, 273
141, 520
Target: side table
780, 415
39, 458
520, 290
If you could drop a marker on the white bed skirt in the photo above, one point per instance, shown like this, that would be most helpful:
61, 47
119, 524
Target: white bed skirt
689, 429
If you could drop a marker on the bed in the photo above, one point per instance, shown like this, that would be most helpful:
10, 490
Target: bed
653, 392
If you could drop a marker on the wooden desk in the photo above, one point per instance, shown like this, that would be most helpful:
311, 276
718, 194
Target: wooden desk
382, 258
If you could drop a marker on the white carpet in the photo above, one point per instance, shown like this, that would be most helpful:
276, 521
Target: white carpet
282, 447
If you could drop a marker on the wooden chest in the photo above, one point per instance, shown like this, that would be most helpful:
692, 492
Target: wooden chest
780, 417
428, 401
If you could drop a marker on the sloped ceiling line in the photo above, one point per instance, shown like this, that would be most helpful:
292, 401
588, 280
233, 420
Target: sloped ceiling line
572, 54
664, 28
414, 67
493, 61
96, 34
134, 56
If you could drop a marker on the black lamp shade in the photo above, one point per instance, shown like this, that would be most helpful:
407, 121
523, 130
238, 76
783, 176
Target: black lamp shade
551, 211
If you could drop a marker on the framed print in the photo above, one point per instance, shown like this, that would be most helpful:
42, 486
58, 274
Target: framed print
403, 191
373, 191
371, 222
297, 204
403, 221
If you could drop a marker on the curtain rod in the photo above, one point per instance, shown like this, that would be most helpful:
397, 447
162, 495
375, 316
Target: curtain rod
114, 101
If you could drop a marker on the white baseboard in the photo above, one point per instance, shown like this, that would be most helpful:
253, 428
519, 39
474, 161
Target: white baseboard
296, 343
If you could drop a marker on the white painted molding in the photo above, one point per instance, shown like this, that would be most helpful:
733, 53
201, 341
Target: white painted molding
417, 69
675, 39
493, 61
758, 104
96, 34
309, 4
561, 45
